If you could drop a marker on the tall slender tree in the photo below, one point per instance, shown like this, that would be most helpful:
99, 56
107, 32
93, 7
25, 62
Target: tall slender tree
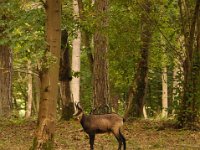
100, 64
5, 80
76, 52
65, 78
164, 78
178, 77
49, 78
190, 13
5, 67
29, 91
164, 93
137, 92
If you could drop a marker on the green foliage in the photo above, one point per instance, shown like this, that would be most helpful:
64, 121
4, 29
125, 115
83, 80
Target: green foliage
22, 24
86, 83
23, 31
124, 46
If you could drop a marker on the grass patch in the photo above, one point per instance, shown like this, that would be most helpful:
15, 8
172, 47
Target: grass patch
140, 134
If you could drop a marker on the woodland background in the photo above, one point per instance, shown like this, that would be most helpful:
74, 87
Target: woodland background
140, 59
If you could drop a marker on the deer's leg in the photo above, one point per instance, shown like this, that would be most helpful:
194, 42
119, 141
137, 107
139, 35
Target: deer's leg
117, 136
92, 137
123, 139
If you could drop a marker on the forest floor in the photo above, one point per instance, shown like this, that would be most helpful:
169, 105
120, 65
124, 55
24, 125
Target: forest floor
140, 135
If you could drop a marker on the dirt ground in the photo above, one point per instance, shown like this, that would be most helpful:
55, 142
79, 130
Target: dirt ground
140, 135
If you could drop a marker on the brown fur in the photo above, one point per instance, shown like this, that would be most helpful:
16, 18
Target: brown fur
94, 124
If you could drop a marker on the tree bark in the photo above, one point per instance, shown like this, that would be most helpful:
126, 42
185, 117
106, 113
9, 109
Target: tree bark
164, 93
5, 80
76, 52
137, 93
177, 85
65, 78
49, 78
100, 67
5, 69
29, 91
37, 88
189, 109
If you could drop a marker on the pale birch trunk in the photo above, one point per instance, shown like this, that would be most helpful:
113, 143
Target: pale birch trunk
145, 112
175, 88
164, 93
177, 85
29, 91
76, 52
178, 76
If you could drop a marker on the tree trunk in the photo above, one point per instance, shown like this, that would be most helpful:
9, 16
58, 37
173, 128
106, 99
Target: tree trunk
145, 112
138, 88
49, 79
5, 80
164, 93
177, 85
65, 78
37, 87
100, 66
76, 52
189, 109
29, 91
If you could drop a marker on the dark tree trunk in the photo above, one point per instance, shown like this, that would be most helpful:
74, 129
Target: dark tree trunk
100, 66
65, 78
5, 80
138, 88
5, 68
